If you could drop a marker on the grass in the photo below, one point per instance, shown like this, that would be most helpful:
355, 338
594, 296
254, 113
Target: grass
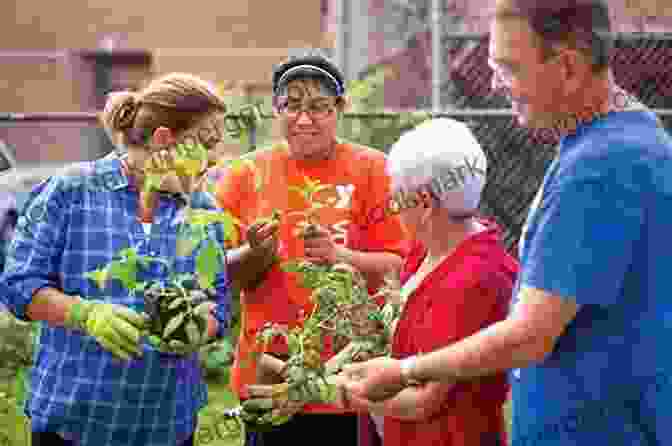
211, 431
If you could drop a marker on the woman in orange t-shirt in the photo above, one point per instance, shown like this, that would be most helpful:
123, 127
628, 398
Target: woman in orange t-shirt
309, 97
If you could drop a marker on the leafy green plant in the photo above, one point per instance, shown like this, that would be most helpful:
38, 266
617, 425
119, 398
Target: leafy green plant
342, 309
176, 305
307, 226
17, 340
368, 97
216, 358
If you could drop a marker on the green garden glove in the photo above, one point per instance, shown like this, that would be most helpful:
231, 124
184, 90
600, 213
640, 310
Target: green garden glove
185, 347
117, 328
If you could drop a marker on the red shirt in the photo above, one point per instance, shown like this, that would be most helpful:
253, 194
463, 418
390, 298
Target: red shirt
470, 290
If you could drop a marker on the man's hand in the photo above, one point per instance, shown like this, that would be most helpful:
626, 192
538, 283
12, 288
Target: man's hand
375, 380
320, 248
271, 370
117, 328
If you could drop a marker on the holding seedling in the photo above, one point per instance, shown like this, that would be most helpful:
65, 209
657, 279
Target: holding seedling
343, 308
346, 181
178, 306
308, 227
121, 250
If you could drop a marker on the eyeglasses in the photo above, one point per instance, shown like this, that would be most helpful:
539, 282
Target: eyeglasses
317, 110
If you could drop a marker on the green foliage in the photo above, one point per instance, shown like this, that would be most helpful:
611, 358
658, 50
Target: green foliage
368, 96
17, 341
252, 111
342, 308
176, 309
17, 345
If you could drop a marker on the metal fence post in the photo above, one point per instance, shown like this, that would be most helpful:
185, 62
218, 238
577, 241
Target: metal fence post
253, 136
437, 63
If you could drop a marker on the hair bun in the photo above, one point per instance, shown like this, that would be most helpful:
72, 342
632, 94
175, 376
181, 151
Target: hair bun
125, 114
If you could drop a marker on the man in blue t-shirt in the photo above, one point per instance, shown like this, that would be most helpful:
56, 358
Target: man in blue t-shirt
585, 337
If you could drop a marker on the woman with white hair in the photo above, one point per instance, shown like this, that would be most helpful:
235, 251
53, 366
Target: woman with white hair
457, 279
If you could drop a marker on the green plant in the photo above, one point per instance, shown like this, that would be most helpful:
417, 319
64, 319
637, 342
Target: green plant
342, 309
368, 97
17, 340
216, 358
177, 305
307, 226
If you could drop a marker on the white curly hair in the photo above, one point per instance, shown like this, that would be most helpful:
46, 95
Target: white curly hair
443, 157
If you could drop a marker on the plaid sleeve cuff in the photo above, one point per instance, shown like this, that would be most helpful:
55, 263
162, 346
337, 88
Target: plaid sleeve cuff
222, 318
21, 295
222, 309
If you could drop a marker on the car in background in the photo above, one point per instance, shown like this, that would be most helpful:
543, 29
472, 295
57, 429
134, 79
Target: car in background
16, 182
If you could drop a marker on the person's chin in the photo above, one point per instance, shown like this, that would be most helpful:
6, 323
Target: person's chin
305, 140
306, 147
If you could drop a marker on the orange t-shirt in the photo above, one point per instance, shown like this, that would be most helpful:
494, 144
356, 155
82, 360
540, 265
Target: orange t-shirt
354, 218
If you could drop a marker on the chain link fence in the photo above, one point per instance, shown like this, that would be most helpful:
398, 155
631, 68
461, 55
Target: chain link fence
518, 157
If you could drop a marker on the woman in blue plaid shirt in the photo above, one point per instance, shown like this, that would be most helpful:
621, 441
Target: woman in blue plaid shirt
95, 381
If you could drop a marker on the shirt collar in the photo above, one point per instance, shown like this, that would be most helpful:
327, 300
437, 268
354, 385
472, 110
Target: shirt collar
117, 178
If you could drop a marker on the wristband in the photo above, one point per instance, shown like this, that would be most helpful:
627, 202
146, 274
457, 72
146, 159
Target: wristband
407, 366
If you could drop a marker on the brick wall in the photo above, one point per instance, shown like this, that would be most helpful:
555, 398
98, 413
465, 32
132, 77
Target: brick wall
235, 41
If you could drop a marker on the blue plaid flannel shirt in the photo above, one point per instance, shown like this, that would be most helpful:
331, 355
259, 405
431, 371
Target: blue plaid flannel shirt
73, 224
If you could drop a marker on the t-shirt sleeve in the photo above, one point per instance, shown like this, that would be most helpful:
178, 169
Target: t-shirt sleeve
233, 188
380, 231
587, 224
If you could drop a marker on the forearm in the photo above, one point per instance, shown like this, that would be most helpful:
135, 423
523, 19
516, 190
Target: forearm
504, 345
50, 305
247, 267
415, 403
377, 264
213, 326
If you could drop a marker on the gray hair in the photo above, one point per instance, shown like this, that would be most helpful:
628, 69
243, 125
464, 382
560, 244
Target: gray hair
443, 157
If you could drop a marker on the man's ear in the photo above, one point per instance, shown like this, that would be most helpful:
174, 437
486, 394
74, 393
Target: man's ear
574, 66
163, 136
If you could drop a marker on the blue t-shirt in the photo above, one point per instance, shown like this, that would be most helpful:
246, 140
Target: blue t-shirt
599, 233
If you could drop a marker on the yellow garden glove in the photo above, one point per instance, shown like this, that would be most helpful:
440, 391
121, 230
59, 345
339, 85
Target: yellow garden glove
115, 327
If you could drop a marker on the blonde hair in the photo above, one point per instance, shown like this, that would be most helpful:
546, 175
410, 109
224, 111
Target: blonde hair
175, 101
